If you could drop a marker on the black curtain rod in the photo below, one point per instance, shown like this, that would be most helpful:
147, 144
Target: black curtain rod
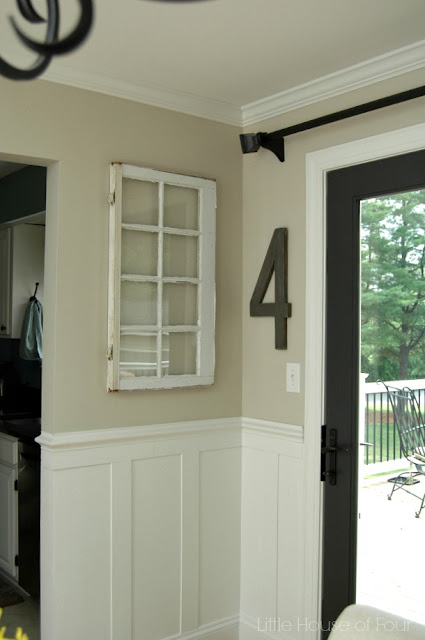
251, 142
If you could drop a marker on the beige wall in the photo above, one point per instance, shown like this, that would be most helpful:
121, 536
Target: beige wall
274, 196
78, 133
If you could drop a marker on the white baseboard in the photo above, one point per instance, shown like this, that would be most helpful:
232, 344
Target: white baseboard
225, 629
259, 629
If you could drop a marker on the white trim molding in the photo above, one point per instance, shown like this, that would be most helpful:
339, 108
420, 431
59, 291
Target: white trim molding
270, 428
260, 628
225, 629
317, 164
382, 67
359, 75
154, 95
61, 72
127, 435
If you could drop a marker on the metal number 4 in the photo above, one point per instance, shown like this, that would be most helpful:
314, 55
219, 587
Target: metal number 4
276, 261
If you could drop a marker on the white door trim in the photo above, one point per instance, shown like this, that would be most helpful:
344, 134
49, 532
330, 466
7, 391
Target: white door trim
317, 164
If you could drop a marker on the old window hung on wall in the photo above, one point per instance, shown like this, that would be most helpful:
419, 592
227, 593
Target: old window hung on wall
161, 281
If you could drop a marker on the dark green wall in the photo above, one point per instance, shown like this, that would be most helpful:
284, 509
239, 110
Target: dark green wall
23, 193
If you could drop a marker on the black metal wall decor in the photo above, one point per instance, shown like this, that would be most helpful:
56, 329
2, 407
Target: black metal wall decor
52, 45
276, 261
275, 141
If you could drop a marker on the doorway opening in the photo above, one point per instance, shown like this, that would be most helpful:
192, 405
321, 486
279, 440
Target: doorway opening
389, 536
318, 165
347, 188
22, 257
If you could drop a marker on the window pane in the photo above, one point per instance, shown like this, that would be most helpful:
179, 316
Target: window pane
138, 303
179, 352
138, 355
180, 207
139, 253
180, 304
180, 256
139, 201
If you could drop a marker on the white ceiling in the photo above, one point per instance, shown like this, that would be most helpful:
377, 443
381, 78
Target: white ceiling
225, 55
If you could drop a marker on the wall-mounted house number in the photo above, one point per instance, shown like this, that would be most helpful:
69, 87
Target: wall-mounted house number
275, 262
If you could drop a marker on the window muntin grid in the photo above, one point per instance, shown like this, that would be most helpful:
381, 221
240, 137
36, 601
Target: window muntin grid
164, 293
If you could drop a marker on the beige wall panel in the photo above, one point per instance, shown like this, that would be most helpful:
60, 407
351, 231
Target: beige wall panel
84, 131
219, 534
274, 196
156, 545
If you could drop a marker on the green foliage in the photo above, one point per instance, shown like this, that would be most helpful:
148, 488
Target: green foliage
393, 286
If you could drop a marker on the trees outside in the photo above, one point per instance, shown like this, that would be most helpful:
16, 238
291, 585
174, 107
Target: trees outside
393, 286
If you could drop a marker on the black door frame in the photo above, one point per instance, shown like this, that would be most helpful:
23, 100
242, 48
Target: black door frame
345, 189
318, 164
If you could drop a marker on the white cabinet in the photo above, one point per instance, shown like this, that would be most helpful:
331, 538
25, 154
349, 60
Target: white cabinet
22, 265
8, 504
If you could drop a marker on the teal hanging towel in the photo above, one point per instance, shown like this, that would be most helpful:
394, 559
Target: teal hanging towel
31, 346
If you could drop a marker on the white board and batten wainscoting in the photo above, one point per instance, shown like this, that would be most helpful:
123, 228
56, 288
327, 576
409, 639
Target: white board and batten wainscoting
187, 530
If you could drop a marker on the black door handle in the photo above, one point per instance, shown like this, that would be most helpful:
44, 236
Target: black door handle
331, 450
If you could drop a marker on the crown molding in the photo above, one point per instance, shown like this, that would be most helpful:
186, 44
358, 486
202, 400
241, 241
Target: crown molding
374, 70
360, 75
153, 95
145, 93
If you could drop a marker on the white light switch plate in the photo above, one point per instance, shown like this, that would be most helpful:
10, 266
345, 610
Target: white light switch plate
293, 377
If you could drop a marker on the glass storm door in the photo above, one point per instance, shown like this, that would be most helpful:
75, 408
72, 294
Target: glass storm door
346, 189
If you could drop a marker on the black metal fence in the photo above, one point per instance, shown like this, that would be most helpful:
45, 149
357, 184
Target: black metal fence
379, 427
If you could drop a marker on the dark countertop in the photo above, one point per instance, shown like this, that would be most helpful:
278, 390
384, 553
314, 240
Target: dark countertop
20, 425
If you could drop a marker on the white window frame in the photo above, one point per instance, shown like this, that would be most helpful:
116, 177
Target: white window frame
205, 327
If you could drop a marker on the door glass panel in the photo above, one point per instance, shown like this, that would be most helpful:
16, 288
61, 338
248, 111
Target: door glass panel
392, 350
179, 353
138, 355
139, 253
138, 303
180, 207
180, 304
139, 202
180, 256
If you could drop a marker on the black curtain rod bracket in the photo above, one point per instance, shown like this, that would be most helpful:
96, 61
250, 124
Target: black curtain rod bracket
251, 142
275, 141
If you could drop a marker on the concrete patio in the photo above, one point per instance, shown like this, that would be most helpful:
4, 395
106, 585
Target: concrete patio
390, 558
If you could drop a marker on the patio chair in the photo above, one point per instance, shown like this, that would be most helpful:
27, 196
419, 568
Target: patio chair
411, 430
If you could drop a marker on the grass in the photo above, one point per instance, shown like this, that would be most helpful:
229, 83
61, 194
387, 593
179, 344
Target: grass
386, 473
385, 435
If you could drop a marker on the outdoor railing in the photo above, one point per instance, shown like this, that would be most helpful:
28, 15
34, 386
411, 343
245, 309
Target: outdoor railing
379, 427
